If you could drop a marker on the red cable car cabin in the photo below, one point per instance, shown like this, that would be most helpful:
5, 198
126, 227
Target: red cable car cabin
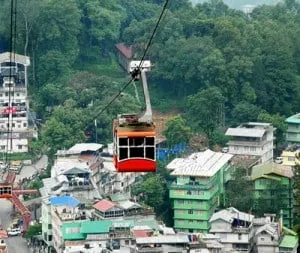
134, 148
5, 191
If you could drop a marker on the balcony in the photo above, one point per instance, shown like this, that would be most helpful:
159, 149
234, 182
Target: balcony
194, 194
191, 186
247, 143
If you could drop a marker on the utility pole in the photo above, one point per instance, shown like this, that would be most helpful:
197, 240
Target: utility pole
96, 130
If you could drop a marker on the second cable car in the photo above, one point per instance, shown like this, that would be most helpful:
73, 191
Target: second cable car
134, 135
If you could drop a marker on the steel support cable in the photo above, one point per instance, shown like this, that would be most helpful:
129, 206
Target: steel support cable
140, 65
10, 78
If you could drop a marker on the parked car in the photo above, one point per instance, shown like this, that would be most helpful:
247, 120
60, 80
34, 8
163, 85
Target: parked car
278, 159
14, 232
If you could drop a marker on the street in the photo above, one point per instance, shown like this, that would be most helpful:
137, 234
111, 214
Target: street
18, 244
29, 170
14, 244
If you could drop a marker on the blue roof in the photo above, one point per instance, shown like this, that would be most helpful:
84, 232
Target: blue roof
64, 201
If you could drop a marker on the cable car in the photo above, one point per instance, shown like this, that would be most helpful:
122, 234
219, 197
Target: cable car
134, 135
5, 191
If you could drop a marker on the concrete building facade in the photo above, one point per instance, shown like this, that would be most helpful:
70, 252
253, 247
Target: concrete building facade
252, 138
198, 189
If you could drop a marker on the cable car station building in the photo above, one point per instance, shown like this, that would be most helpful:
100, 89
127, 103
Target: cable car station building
14, 108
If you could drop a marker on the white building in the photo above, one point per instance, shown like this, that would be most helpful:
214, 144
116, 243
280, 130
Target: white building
234, 229
14, 105
63, 209
252, 138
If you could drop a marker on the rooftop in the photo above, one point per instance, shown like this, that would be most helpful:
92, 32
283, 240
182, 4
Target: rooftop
125, 50
294, 119
245, 132
104, 205
64, 201
163, 239
271, 168
230, 214
95, 227
22, 59
83, 147
202, 164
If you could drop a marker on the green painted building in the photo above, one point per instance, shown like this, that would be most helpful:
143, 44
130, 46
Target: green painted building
198, 189
293, 131
273, 191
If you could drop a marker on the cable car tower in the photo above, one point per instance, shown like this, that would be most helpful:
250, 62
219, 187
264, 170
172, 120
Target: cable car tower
134, 134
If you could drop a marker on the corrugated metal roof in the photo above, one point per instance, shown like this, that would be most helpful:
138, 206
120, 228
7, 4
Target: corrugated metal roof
140, 233
245, 132
268, 229
163, 239
81, 147
205, 164
95, 227
125, 50
230, 214
128, 204
22, 59
71, 231
104, 205
64, 200
271, 168
294, 119
288, 241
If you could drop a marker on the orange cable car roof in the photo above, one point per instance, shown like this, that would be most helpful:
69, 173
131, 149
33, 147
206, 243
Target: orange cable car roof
135, 134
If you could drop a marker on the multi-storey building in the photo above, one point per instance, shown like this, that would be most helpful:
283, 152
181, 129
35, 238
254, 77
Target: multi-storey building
64, 209
273, 186
234, 229
14, 106
293, 131
198, 189
252, 138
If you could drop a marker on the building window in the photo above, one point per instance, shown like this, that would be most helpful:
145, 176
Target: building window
253, 149
1, 94
291, 158
236, 148
49, 226
180, 201
24, 124
13, 125
240, 236
190, 211
6, 94
246, 148
2, 147
18, 94
19, 147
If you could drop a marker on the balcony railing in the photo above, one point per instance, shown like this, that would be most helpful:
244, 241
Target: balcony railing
246, 143
195, 186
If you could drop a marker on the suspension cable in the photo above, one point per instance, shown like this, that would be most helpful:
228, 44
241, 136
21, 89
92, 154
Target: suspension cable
140, 65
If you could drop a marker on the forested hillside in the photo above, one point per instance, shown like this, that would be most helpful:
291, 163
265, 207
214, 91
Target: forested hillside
215, 64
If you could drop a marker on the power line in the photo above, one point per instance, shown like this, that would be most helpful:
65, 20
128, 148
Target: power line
140, 65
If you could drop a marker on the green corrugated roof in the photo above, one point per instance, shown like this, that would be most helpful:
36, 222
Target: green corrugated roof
294, 119
95, 227
288, 241
71, 231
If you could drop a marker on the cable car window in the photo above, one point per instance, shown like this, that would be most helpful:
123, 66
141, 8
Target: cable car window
150, 153
150, 141
136, 152
123, 141
137, 141
123, 153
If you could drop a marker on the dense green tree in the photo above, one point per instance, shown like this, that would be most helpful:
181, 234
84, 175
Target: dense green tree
177, 131
65, 127
151, 191
239, 186
208, 105
278, 122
